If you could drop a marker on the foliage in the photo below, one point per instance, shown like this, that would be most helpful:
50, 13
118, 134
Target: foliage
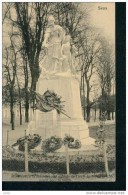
8, 152
107, 102
112, 103
52, 144
6, 99
6, 95
33, 141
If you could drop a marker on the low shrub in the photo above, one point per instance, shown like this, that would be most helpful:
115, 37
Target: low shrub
57, 167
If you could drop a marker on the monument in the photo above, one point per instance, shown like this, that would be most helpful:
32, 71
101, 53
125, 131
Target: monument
58, 75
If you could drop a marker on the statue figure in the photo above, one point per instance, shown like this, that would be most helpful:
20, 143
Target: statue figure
59, 60
75, 62
66, 55
54, 37
70, 62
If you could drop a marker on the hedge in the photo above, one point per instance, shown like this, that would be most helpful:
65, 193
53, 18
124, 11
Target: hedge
54, 167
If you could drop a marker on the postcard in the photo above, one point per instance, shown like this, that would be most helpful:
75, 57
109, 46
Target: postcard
62, 120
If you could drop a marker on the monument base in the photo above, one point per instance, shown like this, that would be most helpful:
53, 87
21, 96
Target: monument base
53, 124
77, 129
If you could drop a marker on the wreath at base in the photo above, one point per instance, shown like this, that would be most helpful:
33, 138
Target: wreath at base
71, 142
52, 144
33, 141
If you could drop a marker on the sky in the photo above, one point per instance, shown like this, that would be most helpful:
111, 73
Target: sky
104, 19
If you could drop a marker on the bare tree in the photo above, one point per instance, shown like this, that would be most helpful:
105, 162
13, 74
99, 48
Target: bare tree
20, 98
26, 82
70, 16
5, 10
10, 69
105, 71
89, 49
31, 22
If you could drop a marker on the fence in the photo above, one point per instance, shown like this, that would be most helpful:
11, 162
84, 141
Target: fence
66, 162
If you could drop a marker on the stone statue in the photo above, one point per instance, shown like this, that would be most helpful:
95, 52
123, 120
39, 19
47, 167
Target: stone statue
59, 60
59, 75
54, 37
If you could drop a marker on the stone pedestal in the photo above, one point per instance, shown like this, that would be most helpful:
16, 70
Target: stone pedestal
50, 123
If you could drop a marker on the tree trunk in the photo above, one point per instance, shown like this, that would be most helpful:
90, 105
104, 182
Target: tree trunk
84, 113
108, 106
26, 113
33, 87
20, 113
100, 112
13, 123
84, 106
26, 96
33, 84
12, 109
101, 106
108, 115
33, 103
112, 115
20, 105
88, 113
81, 86
95, 114
82, 95
88, 102
26, 107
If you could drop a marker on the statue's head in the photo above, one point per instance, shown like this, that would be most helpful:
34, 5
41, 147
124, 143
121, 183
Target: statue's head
51, 20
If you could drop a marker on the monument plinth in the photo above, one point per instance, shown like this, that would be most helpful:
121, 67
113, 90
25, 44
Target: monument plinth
58, 75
